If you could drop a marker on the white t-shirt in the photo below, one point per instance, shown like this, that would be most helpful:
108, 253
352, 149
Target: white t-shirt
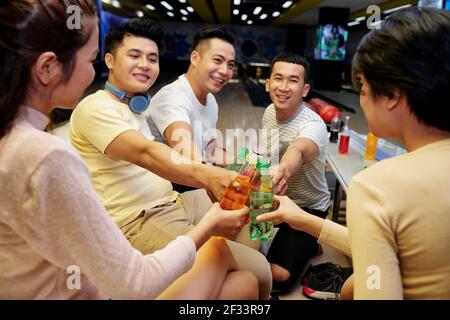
177, 102
308, 187
124, 188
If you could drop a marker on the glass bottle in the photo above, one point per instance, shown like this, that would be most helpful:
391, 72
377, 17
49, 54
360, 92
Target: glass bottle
344, 137
241, 158
371, 147
237, 193
335, 128
260, 201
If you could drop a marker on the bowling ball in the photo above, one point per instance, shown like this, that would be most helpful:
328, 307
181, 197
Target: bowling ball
317, 104
329, 112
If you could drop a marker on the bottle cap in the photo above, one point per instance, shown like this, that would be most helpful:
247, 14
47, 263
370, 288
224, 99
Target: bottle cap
262, 163
243, 154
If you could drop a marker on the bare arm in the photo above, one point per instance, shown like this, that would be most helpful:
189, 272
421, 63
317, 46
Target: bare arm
133, 147
326, 231
180, 138
302, 150
218, 155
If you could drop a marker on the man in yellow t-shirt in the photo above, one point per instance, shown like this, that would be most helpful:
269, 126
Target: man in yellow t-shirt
129, 170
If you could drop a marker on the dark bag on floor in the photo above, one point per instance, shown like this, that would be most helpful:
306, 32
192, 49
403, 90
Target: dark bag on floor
324, 281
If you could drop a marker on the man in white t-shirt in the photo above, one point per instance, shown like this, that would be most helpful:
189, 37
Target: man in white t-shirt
129, 169
301, 143
184, 113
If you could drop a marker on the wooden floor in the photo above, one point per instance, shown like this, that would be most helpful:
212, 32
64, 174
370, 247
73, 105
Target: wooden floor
237, 111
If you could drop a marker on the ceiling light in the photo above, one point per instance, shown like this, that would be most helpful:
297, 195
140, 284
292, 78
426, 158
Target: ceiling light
249, 21
139, 13
184, 12
170, 14
236, 12
150, 7
360, 19
237, 2
184, 18
275, 14
244, 17
165, 4
263, 16
287, 4
116, 4
257, 11
190, 9
353, 23
397, 8
182, 1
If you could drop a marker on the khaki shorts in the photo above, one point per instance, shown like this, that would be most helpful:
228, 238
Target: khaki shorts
154, 228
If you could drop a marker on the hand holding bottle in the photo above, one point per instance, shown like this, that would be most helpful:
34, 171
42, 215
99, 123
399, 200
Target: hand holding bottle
287, 211
279, 180
219, 222
237, 193
218, 182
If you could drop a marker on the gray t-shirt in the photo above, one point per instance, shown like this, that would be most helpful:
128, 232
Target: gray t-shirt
308, 187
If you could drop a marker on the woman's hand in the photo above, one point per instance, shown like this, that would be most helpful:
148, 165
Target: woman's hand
285, 210
224, 223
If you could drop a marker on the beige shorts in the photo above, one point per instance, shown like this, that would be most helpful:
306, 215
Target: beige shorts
154, 228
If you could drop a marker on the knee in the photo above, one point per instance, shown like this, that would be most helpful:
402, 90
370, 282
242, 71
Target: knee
251, 260
279, 273
250, 286
218, 246
347, 289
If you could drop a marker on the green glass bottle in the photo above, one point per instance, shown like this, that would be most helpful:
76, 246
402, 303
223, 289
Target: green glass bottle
242, 158
260, 201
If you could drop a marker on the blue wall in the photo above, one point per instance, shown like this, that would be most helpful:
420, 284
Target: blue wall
253, 44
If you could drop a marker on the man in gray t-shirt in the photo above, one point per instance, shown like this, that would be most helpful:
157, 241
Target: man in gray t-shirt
301, 143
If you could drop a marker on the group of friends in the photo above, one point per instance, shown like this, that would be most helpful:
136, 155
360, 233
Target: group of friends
105, 203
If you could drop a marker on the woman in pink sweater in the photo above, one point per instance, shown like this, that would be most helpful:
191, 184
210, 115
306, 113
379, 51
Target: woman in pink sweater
56, 239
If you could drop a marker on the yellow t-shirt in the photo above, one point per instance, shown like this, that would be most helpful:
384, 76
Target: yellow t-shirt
124, 188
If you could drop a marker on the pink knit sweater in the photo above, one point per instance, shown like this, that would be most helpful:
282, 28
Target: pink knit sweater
53, 226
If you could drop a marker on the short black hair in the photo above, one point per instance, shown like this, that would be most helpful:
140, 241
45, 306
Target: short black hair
139, 27
410, 53
291, 57
212, 32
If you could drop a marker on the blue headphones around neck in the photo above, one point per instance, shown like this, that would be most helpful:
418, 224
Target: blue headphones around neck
138, 103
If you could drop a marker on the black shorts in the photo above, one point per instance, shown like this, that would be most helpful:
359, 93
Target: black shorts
292, 249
